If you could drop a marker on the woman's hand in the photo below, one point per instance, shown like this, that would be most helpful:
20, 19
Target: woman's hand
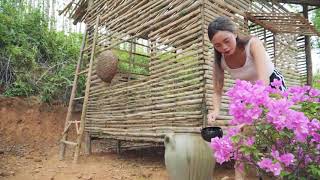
212, 117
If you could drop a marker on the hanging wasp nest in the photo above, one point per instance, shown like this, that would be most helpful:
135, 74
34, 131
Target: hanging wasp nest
107, 64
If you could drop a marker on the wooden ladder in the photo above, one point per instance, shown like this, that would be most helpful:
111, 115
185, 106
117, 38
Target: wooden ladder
79, 125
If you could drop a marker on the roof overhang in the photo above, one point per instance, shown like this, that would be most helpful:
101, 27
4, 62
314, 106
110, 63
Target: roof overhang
301, 2
293, 23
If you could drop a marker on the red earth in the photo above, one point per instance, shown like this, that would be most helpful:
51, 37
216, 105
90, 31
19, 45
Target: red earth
29, 148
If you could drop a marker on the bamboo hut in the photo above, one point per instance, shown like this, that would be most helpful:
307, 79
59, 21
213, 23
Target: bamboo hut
164, 83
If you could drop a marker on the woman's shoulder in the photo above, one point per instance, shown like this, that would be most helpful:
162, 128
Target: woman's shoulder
254, 43
255, 39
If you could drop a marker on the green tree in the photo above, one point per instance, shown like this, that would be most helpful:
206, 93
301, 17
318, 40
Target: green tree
33, 59
316, 22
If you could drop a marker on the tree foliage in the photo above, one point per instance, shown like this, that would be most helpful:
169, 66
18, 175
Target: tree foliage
33, 59
316, 22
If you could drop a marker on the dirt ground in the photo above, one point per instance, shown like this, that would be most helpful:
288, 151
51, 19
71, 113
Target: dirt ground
29, 149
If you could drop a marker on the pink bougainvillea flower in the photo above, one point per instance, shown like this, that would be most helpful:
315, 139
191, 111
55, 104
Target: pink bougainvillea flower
314, 92
275, 154
250, 141
299, 94
233, 131
273, 115
265, 163
298, 122
243, 92
278, 112
222, 148
276, 169
276, 83
244, 114
314, 127
269, 166
287, 159
307, 159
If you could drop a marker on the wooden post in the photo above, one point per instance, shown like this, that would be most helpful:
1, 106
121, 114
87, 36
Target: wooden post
274, 49
118, 147
204, 107
307, 50
265, 36
87, 147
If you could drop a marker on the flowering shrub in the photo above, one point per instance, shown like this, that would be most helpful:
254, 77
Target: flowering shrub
283, 137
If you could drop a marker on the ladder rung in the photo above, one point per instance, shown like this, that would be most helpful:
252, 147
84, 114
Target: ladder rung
69, 143
86, 49
73, 121
83, 71
78, 98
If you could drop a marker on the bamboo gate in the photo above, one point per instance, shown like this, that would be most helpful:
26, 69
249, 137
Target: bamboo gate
165, 74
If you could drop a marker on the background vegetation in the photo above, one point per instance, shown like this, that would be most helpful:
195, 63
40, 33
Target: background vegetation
34, 59
316, 21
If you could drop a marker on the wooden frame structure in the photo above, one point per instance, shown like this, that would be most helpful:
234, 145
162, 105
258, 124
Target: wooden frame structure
176, 93
293, 23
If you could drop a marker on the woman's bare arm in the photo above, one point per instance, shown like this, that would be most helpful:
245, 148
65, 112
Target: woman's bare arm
218, 82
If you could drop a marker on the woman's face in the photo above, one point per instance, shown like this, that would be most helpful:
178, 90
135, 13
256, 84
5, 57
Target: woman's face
224, 42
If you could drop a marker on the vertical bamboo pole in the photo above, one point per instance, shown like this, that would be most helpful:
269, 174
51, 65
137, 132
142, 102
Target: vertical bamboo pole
204, 107
118, 147
307, 46
87, 147
274, 49
265, 36
87, 91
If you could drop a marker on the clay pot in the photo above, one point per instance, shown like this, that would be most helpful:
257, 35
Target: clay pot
188, 157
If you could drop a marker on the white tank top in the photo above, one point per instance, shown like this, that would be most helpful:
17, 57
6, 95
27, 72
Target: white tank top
248, 71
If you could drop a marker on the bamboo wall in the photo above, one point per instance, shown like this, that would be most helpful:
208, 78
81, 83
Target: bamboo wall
176, 93
166, 99
286, 50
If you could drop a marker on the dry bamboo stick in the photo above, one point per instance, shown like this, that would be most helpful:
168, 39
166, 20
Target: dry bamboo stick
161, 129
142, 20
174, 24
167, 105
177, 70
167, 96
132, 14
160, 113
184, 83
174, 54
162, 64
134, 126
145, 120
169, 91
134, 31
176, 35
138, 103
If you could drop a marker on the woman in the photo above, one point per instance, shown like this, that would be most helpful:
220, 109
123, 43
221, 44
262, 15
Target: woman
244, 58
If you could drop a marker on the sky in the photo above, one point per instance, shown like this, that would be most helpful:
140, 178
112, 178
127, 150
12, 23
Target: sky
315, 56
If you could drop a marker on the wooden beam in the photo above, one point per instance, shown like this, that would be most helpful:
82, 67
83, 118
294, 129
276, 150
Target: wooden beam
308, 50
257, 21
301, 2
